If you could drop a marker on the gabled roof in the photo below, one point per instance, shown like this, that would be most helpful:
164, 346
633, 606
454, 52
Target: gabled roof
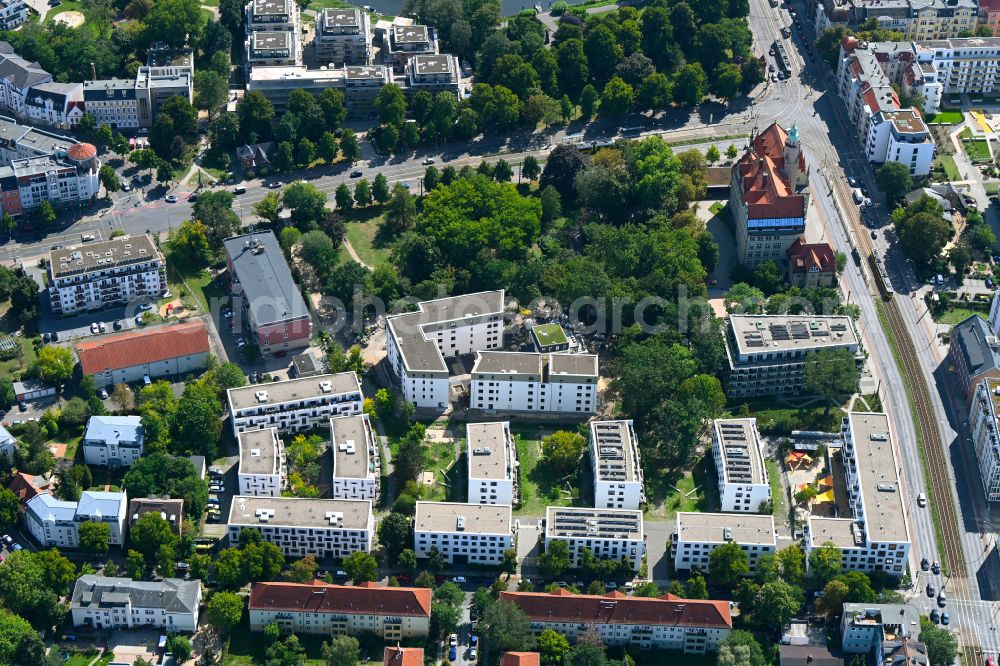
973, 339
102, 504
107, 429
173, 595
804, 257
520, 659
760, 173
26, 486
403, 656
320, 597
20, 72
666, 610
126, 350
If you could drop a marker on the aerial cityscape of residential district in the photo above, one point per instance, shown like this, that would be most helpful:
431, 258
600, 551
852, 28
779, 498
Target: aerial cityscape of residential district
461, 332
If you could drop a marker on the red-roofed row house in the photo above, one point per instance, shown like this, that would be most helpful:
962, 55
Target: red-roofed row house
692, 626
769, 196
811, 265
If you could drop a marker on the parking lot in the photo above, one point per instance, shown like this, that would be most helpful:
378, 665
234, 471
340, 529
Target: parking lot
90, 324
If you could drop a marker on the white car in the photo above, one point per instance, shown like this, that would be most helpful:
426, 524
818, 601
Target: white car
921, 500
171, 198
473, 654
453, 640
93, 328
428, 161
145, 307
458, 579
103, 393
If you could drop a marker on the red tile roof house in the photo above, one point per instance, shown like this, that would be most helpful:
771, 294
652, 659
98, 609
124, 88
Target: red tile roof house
166, 351
405, 656
391, 613
520, 659
667, 622
811, 264
26, 486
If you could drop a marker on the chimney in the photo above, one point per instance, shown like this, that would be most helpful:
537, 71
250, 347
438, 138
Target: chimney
93, 71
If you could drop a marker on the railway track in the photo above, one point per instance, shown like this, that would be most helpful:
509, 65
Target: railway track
936, 467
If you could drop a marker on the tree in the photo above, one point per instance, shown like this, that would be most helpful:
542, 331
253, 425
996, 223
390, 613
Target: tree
9, 507
830, 373
20, 643
394, 535
502, 172
588, 101
342, 651
343, 197
894, 179
349, 146
825, 563
391, 105
180, 646
174, 22
732, 151
727, 564
151, 532
160, 474
712, 154
555, 560
54, 365
586, 654
444, 618
303, 570
45, 213
690, 84
401, 211
697, 588
361, 567
135, 565
616, 98
562, 451
190, 244
306, 203
362, 193
256, 113
507, 628
530, 168
960, 257
922, 231
196, 426
553, 647
215, 211
227, 568
728, 79
828, 44
121, 396
225, 610
752, 652
211, 90
942, 646
109, 179
573, 67
831, 602
775, 604
380, 188
792, 564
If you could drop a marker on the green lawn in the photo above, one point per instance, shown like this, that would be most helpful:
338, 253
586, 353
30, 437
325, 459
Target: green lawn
247, 649
318, 5
440, 460
689, 490
945, 118
978, 151
992, 188
195, 288
947, 162
366, 235
716, 208
777, 492
66, 6
84, 660
955, 315
539, 486
781, 419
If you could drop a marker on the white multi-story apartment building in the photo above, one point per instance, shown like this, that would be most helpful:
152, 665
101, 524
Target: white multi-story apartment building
739, 463
113, 441
887, 132
55, 523
261, 471
8, 446
67, 179
696, 535
614, 459
134, 103
492, 468
433, 73
17, 76
108, 274
268, 15
300, 527
296, 404
103, 603
57, 104
877, 537
529, 382
417, 343
356, 462
402, 42
610, 534
343, 37
983, 421
391, 613
969, 65
273, 48
463, 533
767, 354
12, 14
359, 83
692, 626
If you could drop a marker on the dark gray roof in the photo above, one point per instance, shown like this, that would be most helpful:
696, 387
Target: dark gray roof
22, 73
265, 278
973, 339
813, 655
52, 91
171, 594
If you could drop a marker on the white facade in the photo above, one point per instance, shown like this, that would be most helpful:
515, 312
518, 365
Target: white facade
739, 462
12, 14
983, 421
300, 527
8, 445
463, 533
696, 535
105, 274
529, 382
876, 538
106, 603
261, 471
357, 466
296, 404
343, 37
614, 458
113, 441
610, 534
55, 523
866, 626
492, 463
417, 343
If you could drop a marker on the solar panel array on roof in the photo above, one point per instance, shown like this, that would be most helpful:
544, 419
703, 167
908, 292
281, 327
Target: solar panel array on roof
739, 468
611, 452
595, 523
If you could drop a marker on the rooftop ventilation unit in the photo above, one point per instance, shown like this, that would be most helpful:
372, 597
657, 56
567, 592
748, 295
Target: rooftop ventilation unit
255, 453
878, 437
326, 387
261, 396
460, 523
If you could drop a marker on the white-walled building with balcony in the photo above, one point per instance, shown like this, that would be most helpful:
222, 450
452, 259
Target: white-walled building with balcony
357, 466
463, 533
113, 441
492, 463
530, 382
104, 603
261, 471
294, 405
696, 535
610, 534
614, 459
739, 464
343, 36
983, 422
55, 523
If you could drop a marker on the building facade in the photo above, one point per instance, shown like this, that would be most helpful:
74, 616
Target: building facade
103, 603
696, 535
876, 537
609, 534
691, 626
391, 613
64, 180
739, 464
983, 422
492, 464
418, 343
811, 265
769, 196
343, 37
296, 404
172, 350
974, 353
529, 382
300, 527
766, 354
614, 460
463, 533
273, 48
357, 466
113, 441
17, 75
56, 104
261, 471
55, 523
12, 14
433, 73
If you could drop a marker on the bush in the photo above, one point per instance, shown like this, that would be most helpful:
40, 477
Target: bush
558, 8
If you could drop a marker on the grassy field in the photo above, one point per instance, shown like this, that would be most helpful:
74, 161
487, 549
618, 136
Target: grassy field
539, 487
947, 162
777, 491
690, 490
955, 315
978, 151
246, 649
318, 5
716, 207
364, 232
945, 118
992, 188
66, 6
440, 460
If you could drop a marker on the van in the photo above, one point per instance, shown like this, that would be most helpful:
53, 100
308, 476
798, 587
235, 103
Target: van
86, 238
239, 189
858, 195
146, 380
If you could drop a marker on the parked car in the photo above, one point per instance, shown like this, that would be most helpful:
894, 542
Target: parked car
93, 328
103, 393
18, 546
171, 198
117, 325
453, 640
452, 653
925, 564
942, 599
473, 654
356, 173
473, 639
139, 321
458, 579
935, 616
428, 160
103, 327
239, 189
936, 568
7, 539
945, 620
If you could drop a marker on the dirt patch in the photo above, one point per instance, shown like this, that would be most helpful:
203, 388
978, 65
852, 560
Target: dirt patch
175, 308
70, 18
